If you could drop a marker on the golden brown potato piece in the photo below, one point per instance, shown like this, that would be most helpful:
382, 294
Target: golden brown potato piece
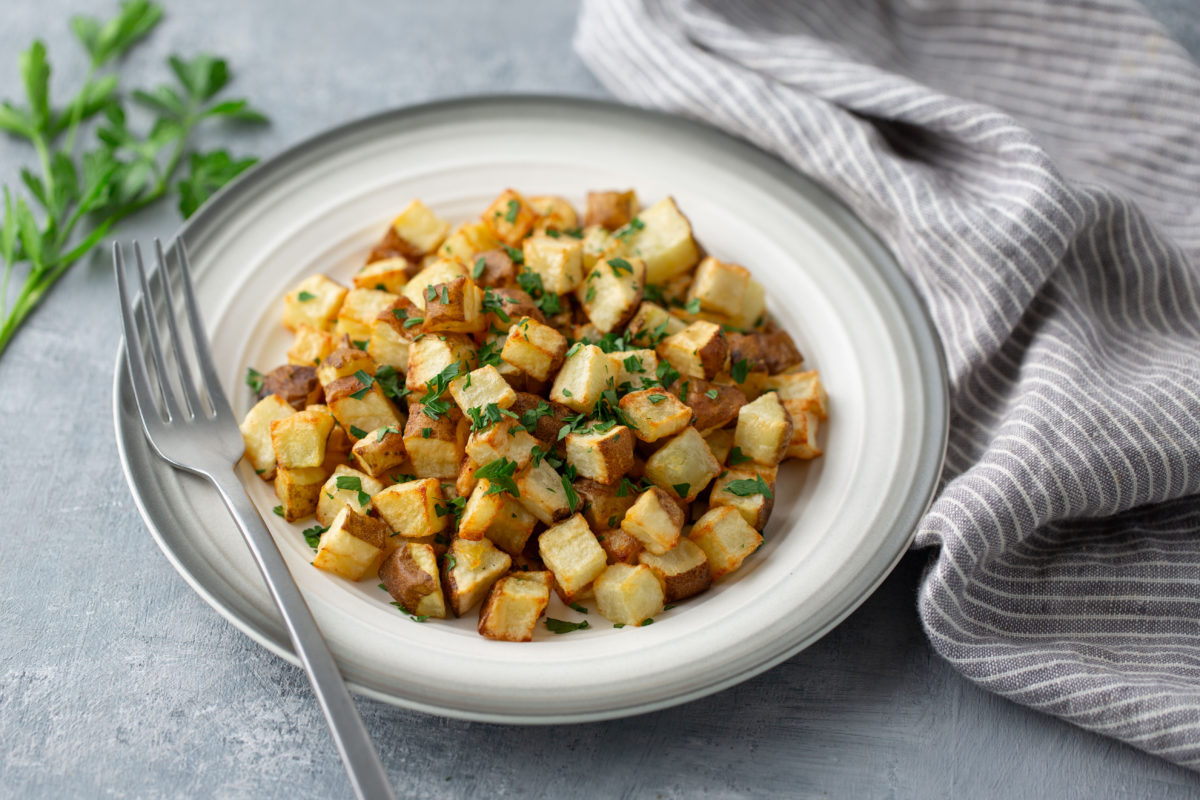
699, 351
514, 605
628, 595
469, 570
655, 413
603, 456
497, 271
684, 465
620, 547
682, 570
298, 490
604, 505
454, 307
655, 520
534, 348
778, 350
735, 487
713, 405
353, 547
746, 347
610, 210
298, 385
764, 429
410, 575
510, 217
726, 539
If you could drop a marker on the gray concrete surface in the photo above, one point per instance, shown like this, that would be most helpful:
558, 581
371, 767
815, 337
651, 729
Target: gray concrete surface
116, 680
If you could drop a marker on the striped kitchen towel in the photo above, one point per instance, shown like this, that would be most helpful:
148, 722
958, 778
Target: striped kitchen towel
1036, 169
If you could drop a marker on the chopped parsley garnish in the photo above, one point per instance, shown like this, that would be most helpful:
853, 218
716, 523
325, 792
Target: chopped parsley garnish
489, 353
712, 394
683, 390
431, 404
579, 608
567, 392
480, 265
590, 295
413, 322
573, 349
360, 344
747, 487
681, 489
736, 456
629, 230
426, 433
410, 615
499, 474
430, 293
647, 621
451, 507
692, 306
304, 297
357, 432
655, 399
653, 293
403, 477
354, 484
562, 626
531, 283
383, 432
530, 418
482, 417
278, 511
515, 255
313, 536
572, 495
666, 373
618, 624
627, 487
254, 379
366, 380
451, 561
514, 208
388, 379
495, 303
620, 265
740, 369
634, 364
445, 294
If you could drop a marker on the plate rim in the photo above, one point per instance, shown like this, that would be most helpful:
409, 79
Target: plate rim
901, 289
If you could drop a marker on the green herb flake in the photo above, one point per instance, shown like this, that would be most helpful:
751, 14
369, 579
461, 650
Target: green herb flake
388, 378
681, 489
313, 537
740, 369
514, 208
254, 379
357, 432
655, 399
304, 297
620, 265
278, 511
712, 394
736, 456
383, 432
579, 608
647, 621
746, 487
618, 624
480, 266
499, 474
692, 306
562, 626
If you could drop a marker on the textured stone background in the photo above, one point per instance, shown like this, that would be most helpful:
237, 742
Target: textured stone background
116, 680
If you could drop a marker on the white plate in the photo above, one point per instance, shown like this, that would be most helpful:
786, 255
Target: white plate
840, 523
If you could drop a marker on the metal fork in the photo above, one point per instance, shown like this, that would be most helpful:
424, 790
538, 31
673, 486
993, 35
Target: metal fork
191, 426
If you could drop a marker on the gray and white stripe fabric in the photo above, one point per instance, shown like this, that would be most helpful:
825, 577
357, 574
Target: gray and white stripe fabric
1036, 169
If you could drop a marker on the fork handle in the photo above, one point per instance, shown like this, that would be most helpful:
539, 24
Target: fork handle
354, 744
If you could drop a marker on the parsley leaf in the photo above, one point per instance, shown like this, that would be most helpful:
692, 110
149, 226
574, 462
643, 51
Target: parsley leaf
692, 306
562, 626
313, 536
629, 230
620, 265
736, 456
514, 208
278, 511
740, 369
655, 399
747, 487
579, 608
495, 303
254, 379
477, 270
681, 489
357, 432
388, 379
499, 473
383, 432
354, 484
366, 380
712, 394
304, 297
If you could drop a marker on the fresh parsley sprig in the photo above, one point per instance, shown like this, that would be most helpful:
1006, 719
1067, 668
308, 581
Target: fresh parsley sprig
83, 189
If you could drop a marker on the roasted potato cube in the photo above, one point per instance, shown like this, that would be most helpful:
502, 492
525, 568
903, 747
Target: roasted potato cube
764, 430
391, 341
610, 210
745, 352
754, 307
361, 408
571, 552
597, 242
634, 368
628, 594
498, 516
750, 489
346, 488
310, 346
805, 424
612, 291
359, 310
655, 520
534, 348
419, 230
441, 271
505, 439
513, 607
684, 465
385, 275
298, 491
542, 492
651, 324
558, 262
471, 567
494, 268
664, 242
719, 287
299, 440
435, 446
343, 363
296, 384
454, 307
430, 354
726, 539
554, 214
353, 546
467, 241
655, 413
256, 433
380, 450
619, 546
804, 389
480, 388
510, 217
713, 405
720, 442
779, 351
584, 376
410, 575
410, 508
699, 351
315, 303
603, 456
682, 570
605, 504
547, 416
504, 306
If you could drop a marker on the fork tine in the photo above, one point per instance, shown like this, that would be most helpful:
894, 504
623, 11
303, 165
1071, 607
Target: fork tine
160, 363
204, 359
186, 379
143, 392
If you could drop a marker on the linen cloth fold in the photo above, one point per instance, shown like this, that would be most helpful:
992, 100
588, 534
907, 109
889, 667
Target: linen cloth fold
1035, 167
